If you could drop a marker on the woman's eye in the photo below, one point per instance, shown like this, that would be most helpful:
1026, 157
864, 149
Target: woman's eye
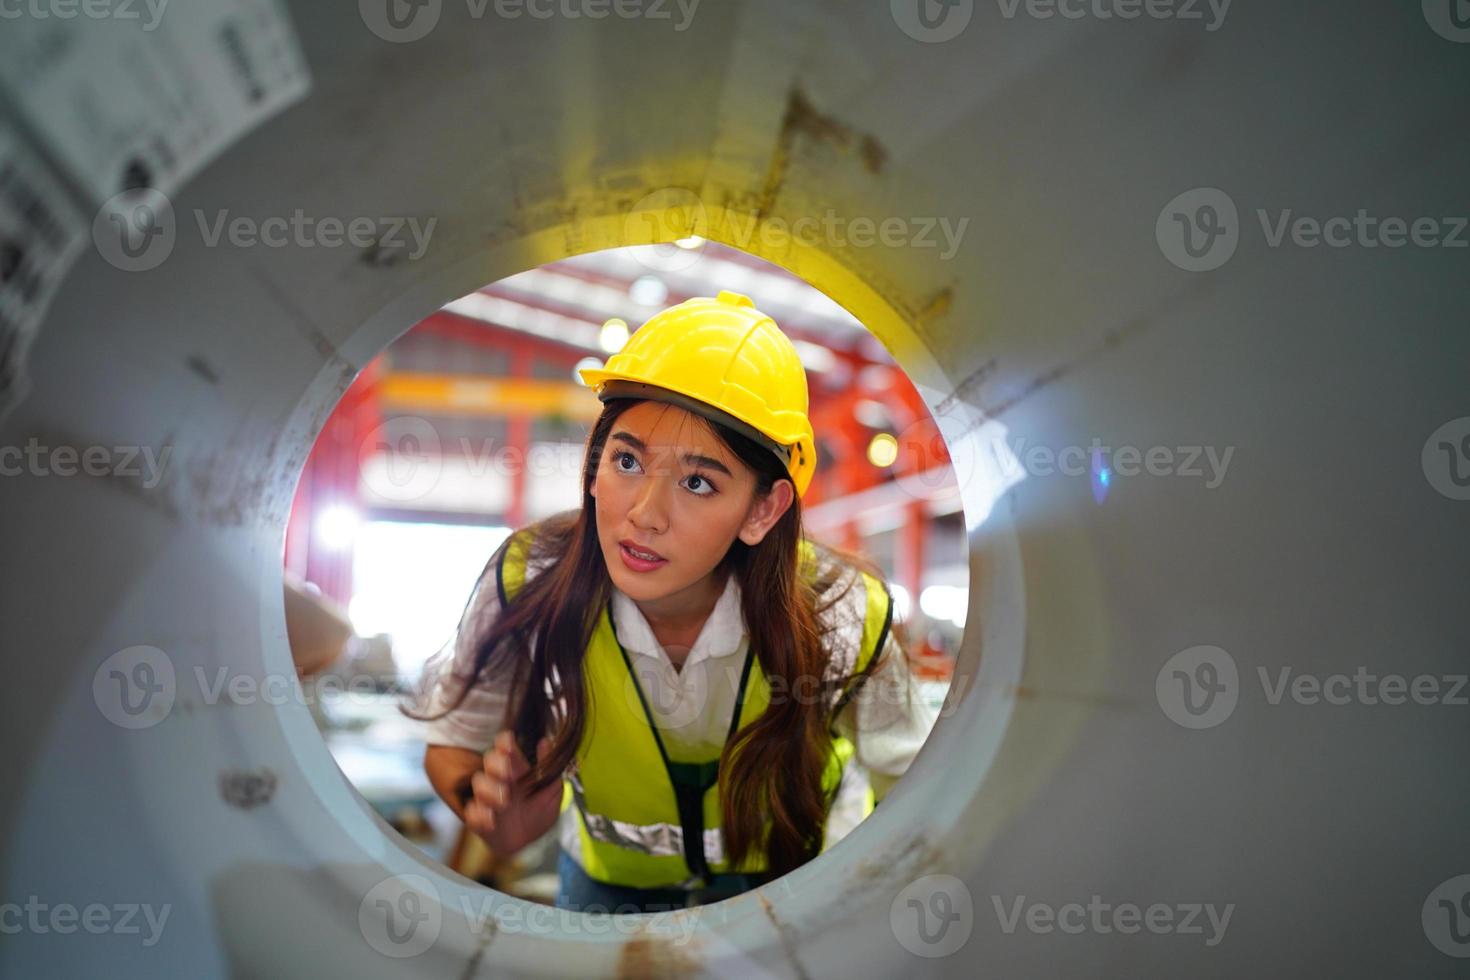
698, 484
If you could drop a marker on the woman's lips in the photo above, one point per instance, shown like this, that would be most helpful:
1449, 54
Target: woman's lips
636, 563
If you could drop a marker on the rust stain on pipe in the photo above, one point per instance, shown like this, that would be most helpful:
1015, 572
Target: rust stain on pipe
787, 934
645, 957
804, 119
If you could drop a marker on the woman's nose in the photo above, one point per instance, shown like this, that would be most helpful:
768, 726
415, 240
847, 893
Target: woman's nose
650, 507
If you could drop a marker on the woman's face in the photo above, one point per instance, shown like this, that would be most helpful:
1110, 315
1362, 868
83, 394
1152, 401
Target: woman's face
669, 487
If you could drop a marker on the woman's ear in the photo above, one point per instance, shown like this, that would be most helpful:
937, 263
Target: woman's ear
766, 511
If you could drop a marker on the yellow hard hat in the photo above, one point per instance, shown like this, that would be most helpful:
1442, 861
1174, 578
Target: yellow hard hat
723, 359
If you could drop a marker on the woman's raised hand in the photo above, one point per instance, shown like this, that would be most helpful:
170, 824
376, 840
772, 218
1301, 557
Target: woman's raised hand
501, 814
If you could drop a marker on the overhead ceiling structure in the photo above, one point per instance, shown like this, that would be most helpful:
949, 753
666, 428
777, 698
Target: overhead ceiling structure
1074, 767
599, 286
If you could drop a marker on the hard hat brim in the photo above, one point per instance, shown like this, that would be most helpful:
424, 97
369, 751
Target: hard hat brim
624, 388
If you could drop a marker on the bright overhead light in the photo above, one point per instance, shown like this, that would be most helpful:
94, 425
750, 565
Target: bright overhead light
875, 378
648, 291
513, 315
945, 602
337, 527
815, 357
873, 414
614, 335
585, 364
883, 450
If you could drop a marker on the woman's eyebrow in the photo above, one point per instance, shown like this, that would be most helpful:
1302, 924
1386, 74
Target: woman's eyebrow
696, 459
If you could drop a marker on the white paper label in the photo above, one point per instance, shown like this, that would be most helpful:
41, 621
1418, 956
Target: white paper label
41, 233
146, 92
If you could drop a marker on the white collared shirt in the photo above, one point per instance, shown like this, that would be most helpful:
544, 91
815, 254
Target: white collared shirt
692, 705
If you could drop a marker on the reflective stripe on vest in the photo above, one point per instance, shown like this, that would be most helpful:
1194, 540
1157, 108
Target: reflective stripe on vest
655, 840
632, 830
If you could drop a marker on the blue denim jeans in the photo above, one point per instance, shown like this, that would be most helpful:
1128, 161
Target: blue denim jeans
580, 892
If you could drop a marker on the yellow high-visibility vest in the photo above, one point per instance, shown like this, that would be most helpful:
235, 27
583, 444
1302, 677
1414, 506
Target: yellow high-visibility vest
647, 817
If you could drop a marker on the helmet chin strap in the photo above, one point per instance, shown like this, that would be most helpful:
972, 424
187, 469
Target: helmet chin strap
637, 389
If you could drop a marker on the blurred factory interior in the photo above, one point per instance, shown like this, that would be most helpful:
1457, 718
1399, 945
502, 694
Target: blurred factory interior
473, 423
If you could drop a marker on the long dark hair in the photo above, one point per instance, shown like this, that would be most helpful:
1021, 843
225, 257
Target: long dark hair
771, 770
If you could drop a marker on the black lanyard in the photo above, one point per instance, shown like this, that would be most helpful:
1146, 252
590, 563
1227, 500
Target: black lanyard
690, 780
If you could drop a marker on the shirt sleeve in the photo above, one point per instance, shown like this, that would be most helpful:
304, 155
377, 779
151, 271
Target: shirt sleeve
474, 723
887, 719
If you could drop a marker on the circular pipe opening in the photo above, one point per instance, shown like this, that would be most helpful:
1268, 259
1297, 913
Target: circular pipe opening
917, 830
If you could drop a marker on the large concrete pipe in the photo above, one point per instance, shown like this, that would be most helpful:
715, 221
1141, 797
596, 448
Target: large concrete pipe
1080, 769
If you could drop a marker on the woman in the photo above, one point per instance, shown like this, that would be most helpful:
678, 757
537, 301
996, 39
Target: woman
673, 664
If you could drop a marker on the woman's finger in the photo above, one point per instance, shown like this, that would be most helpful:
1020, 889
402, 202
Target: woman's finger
479, 820
497, 765
505, 748
490, 792
505, 742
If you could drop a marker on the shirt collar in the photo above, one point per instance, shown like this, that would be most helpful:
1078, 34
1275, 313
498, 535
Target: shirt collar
721, 635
